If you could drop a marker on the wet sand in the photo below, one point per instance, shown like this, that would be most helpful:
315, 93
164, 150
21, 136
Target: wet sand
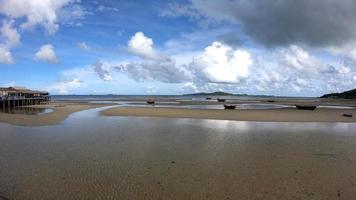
93, 157
60, 112
270, 115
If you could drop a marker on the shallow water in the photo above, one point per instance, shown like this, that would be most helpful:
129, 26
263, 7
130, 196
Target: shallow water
88, 156
174, 104
26, 110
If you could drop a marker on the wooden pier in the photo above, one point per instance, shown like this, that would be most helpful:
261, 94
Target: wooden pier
15, 97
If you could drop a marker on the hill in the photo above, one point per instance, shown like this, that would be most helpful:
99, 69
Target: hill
351, 94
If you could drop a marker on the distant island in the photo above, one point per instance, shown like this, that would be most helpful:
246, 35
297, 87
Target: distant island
351, 94
214, 94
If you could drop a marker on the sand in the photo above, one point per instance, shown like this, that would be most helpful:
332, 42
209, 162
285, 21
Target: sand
270, 115
60, 112
145, 158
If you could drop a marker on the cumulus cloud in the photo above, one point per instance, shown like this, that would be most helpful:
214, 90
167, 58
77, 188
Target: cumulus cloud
280, 23
102, 70
348, 51
299, 59
83, 46
151, 70
9, 34
65, 86
35, 12
152, 66
142, 46
5, 56
9, 38
47, 54
218, 63
222, 64
28, 14
290, 70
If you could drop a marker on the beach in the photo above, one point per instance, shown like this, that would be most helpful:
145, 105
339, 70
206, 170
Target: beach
88, 156
179, 149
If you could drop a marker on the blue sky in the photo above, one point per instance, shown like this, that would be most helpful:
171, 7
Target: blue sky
176, 47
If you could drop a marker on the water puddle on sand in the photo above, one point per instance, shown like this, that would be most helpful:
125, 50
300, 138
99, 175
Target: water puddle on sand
89, 156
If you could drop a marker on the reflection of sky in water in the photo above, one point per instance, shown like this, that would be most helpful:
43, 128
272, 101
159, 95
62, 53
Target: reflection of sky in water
176, 104
87, 153
337, 107
92, 120
27, 110
215, 107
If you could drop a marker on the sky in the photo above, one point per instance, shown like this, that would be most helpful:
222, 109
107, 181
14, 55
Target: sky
284, 48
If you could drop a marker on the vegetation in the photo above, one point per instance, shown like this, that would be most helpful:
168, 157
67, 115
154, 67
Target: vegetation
351, 94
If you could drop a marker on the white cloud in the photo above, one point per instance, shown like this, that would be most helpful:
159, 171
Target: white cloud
152, 70
47, 54
9, 38
218, 67
35, 12
102, 70
102, 8
64, 87
9, 34
28, 14
5, 56
83, 46
190, 87
300, 60
153, 66
221, 64
347, 50
142, 46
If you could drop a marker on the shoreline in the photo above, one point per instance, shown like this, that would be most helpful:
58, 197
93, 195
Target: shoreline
265, 115
61, 110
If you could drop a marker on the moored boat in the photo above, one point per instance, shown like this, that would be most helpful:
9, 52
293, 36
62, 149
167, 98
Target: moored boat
221, 100
347, 115
150, 102
305, 107
230, 107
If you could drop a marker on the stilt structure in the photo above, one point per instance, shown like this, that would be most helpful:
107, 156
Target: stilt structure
12, 97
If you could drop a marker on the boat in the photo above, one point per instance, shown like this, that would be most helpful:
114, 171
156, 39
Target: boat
305, 107
347, 115
221, 100
270, 101
229, 107
208, 98
150, 102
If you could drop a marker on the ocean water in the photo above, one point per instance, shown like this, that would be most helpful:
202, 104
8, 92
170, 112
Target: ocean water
89, 156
